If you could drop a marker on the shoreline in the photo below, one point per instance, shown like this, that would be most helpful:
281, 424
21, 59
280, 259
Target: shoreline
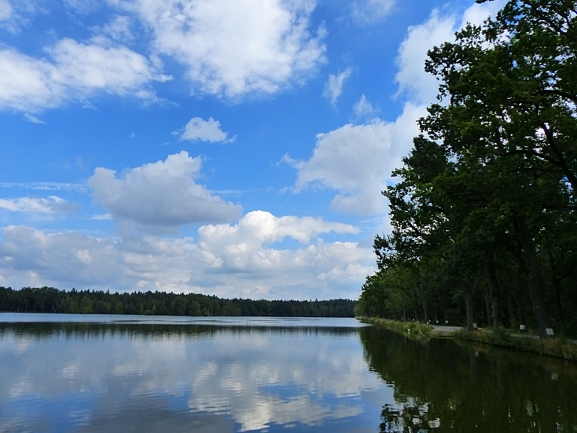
560, 348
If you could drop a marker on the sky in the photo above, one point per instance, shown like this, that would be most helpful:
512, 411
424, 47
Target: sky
234, 148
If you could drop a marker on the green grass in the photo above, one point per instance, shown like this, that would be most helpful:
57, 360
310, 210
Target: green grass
414, 330
559, 347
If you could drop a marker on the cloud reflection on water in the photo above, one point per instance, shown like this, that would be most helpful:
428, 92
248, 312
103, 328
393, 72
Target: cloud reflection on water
224, 380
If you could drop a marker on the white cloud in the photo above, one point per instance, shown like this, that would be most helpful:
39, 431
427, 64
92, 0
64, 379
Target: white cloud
5, 10
16, 14
420, 87
75, 72
234, 47
119, 29
363, 108
246, 249
356, 161
32, 118
161, 195
229, 48
229, 260
369, 11
36, 205
258, 228
204, 130
28, 83
334, 85
113, 69
478, 13
36, 257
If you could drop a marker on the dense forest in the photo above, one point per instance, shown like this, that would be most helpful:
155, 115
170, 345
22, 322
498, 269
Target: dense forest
51, 300
483, 209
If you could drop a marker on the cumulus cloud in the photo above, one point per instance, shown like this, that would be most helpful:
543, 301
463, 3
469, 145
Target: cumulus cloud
334, 85
234, 47
33, 257
160, 196
99, 66
258, 228
204, 130
238, 260
247, 249
414, 82
28, 83
36, 205
229, 48
356, 161
75, 71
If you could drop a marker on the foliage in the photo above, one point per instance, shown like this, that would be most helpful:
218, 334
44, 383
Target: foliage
484, 211
51, 300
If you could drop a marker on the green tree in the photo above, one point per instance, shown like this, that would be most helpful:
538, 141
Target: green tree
490, 184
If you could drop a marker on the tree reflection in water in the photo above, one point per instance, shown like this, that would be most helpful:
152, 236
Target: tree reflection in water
407, 418
442, 386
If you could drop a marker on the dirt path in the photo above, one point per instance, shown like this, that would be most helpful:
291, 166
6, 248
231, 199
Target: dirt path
448, 330
445, 330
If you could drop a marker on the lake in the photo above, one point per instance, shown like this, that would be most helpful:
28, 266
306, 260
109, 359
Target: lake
93, 373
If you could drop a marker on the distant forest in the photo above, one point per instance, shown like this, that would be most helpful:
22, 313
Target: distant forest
484, 208
51, 300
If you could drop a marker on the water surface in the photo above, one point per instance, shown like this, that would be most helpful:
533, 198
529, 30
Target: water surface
75, 373
136, 374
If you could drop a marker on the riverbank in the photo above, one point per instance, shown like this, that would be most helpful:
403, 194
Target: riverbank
414, 330
558, 348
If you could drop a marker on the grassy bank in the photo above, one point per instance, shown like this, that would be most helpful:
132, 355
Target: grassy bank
414, 330
559, 347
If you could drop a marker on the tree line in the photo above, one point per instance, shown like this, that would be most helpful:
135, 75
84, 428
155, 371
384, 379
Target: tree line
52, 300
483, 212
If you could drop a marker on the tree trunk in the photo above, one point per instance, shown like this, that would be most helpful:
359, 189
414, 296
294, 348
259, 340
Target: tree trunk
468, 294
488, 306
425, 309
493, 292
534, 279
512, 321
558, 307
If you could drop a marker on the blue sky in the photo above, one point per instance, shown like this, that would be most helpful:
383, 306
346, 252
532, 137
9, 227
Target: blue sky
227, 147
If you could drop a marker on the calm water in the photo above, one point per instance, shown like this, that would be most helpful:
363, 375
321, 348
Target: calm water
143, 374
